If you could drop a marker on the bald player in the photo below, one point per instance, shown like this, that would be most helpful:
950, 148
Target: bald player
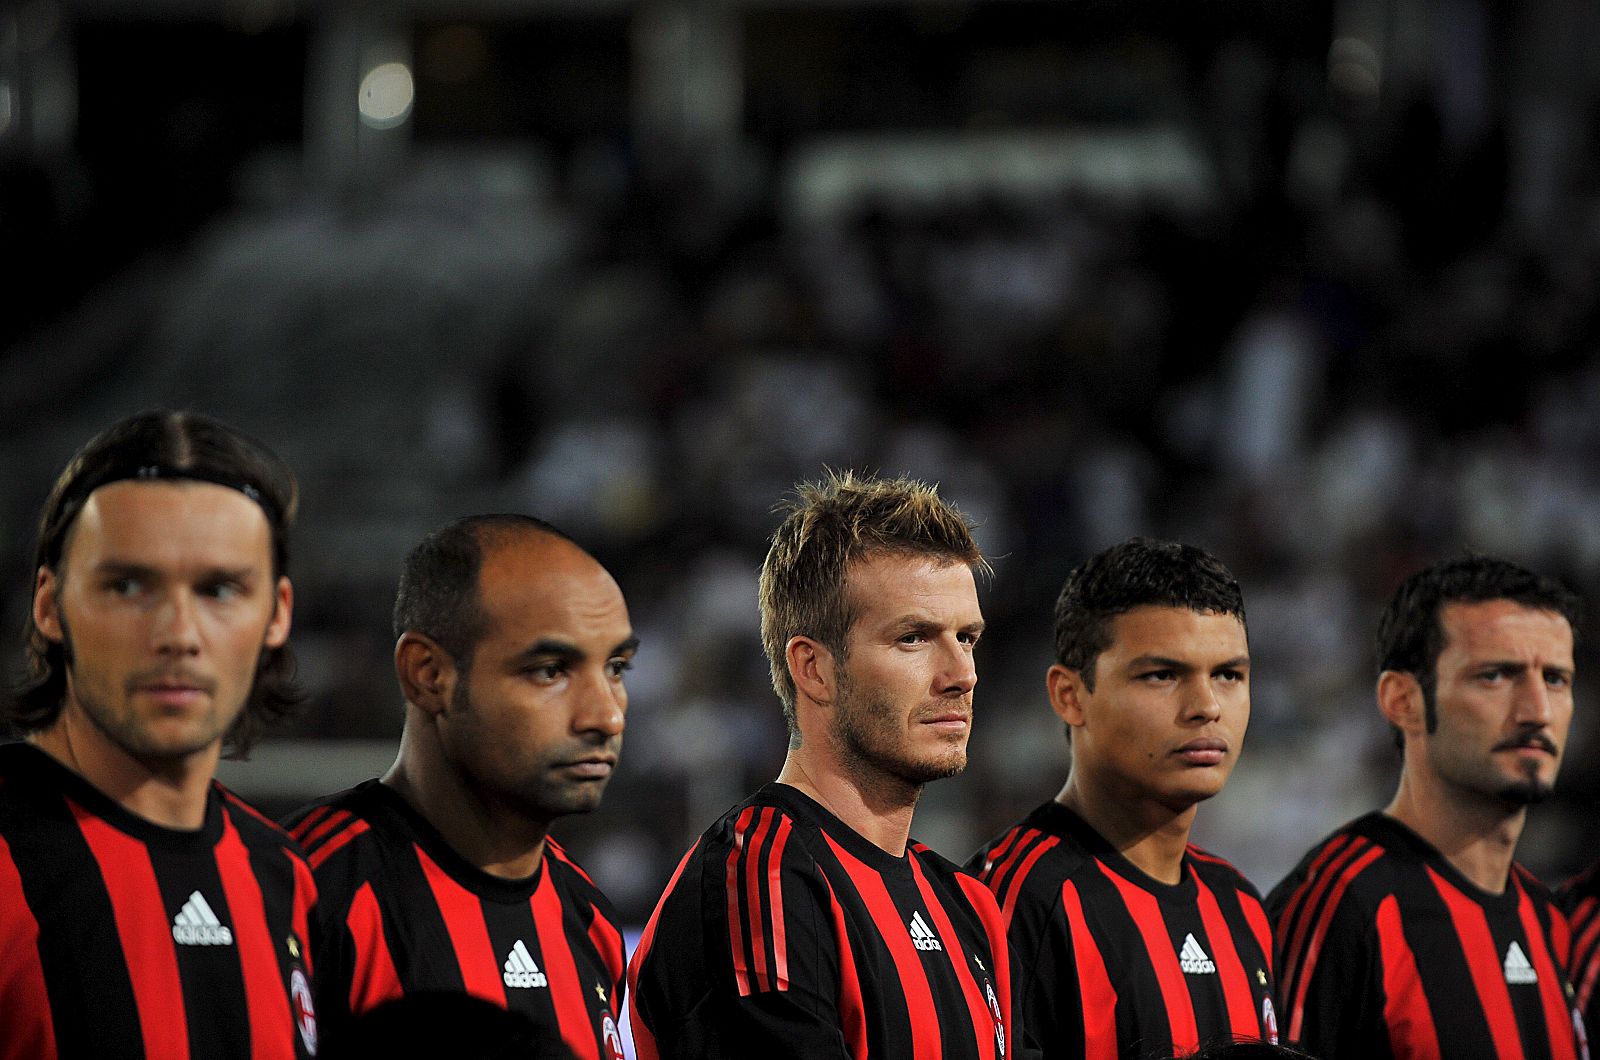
441, 875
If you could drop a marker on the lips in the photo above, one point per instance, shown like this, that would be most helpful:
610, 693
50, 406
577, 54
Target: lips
1203, 751
173, 689
1532, 741
948, 721
592, 767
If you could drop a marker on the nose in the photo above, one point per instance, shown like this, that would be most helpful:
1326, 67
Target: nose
602, 708
959, 673
1532, 705
177, 626
1202, 704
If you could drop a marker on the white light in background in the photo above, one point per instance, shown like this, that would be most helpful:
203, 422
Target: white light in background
5, 107
386, 95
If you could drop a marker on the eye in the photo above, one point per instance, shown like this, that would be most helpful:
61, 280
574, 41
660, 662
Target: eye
222, 590
1230, 675
1557, 679
617, 667
914, 637
545, 673
1492, 676
969, 638
1159, 676
126, 587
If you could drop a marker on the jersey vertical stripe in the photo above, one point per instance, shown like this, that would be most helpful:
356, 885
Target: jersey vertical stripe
1099, 997
130, 881
1557, 1017
925, 1038
572, 1015
1484, 964
22, 979
852, 1009
977, 1005
271, 1023
1299, 967
1158, 944
1039, 850
374, 980
469, 935
644, 1043
1406, 1009
754, 877
1235, 986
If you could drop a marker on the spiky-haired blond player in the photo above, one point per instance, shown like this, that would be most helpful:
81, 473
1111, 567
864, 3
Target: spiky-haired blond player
804, 922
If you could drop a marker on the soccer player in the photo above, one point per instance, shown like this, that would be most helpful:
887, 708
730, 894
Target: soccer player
442, 875
1580, 897
1130, 941
804, 923
1411, 932
145, 911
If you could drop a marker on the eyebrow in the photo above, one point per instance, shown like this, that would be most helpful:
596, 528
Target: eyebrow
915, 621
126, 569
563, 649
1167, 663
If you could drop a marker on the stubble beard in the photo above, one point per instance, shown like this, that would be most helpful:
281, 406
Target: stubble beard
536, 795
864, 728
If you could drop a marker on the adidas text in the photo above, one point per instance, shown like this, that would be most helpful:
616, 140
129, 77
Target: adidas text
520, 969
1193, 960
197, 925
922, 937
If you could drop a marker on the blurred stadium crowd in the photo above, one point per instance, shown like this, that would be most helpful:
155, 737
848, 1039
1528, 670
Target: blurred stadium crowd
1361, 337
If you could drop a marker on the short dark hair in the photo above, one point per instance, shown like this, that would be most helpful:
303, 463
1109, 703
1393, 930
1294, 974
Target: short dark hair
1140, 572
1411, 631
438, 595
155, 445
829, 525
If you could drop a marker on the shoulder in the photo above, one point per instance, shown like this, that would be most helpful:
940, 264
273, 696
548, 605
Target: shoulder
1354, 868
346, 827
1220, 872
256, 829
574, 882
1585, 885
1035, 854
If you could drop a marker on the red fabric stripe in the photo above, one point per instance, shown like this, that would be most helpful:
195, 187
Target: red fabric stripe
926, 1042
561, 853
310, 837
308, 824
607, 941
1295, 930
469, 933
305, 897
1022, 874
1094, 984
758, 919
248, 810
334, 845
852, 1010
998, 853
741, 964
1552, 992
1256, 917
1561, 937
1146, 913
1236, 991
780, 938
644, 1043
977, 1004
146, 934
266, 999
982, 901
1586, 961
374, 979
1307, 965
1003, 878
1406, 1011
1477, 945
24, 998
566, 990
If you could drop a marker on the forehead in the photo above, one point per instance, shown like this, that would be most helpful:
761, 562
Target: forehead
1503, 627
169, 525
533, 586
1177, 632
883, 586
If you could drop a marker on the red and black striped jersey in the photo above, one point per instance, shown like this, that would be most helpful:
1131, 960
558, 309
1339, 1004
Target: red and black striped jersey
1386, 950
401, 912
785, 933
121, 938
1580, 897
1114, 963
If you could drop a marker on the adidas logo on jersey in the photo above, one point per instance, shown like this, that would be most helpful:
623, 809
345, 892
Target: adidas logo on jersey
520, 969
922, 936
1518, 971
197, 925
1193, 960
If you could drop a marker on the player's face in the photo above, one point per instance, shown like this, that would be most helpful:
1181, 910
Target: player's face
1504, 699
1169, 709
535, 724
904, 701
164, 600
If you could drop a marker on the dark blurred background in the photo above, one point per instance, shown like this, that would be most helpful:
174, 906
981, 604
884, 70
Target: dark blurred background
1313, 284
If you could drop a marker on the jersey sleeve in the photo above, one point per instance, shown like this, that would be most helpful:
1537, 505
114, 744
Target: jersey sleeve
1330, 976
747, 954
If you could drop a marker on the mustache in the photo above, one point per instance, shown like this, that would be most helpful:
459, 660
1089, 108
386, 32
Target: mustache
1530, 738
171, 675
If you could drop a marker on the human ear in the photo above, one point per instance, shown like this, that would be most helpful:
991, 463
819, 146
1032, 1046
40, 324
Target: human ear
426, 671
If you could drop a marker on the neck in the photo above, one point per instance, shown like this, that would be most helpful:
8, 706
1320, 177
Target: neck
873, 804
1149, 834
1476, 835
168, 791
495, 837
